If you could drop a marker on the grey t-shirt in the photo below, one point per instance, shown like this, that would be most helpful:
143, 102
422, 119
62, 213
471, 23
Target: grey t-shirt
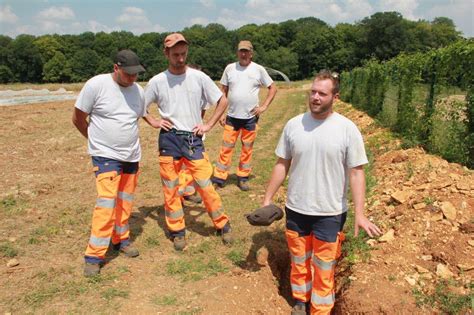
181, 98
114, 112
321, 153
244, 85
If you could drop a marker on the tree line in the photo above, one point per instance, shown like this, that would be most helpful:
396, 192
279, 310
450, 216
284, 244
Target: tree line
299, 48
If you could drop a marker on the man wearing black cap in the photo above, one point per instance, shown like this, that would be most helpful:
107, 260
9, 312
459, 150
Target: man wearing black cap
114, 103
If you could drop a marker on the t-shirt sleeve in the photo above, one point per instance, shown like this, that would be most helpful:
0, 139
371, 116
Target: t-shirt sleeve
356, 155
151, 94
212, 94
283, 149
142, 102
86, 98
224, 80
265, 78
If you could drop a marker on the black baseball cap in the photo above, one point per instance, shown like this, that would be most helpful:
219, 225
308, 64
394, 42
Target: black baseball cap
129, 62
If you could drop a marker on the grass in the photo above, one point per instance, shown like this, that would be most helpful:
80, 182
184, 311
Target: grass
11, 205
112, 293
7, 250
444, 300
165, 300
194, 268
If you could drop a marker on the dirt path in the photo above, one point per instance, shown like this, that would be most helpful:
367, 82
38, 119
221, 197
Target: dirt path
48, 192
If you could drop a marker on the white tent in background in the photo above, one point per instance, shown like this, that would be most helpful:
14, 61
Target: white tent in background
276, 72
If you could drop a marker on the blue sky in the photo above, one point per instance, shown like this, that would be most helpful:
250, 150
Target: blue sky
39, 17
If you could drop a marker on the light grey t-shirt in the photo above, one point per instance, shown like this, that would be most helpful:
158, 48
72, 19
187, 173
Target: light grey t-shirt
321, 153
113, 112
181, 98
244, 84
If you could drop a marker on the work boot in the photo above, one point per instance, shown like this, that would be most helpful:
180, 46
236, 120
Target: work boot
179, 243
194, 198
243, 185
91, 270
129, 251
299, 309
226, 235
217, 183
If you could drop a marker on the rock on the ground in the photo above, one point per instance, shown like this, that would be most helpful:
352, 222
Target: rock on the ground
401, 196
444, 272
12, 263
387, 237
449, 211
262, 256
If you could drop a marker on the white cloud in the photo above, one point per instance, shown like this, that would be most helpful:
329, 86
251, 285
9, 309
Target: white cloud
7, 15
208, 3
460, 11
405, 7
135, 20
56, 13
199, 20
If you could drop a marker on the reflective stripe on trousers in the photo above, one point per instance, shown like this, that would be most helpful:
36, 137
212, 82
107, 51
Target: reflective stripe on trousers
317, 286
201, 171
229, 138
112, 211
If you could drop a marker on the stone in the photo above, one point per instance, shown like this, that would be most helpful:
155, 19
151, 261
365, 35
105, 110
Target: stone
437, 216
449, 211
410, 280
420, 269
401, 196
426, 257
371, 242
423, 187
467, 227
465, 267
400, 157
443, 272
419, 206
471, 243
262, 256
12, 263
462, 185
387, 237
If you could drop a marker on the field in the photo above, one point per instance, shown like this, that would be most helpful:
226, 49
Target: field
47, 196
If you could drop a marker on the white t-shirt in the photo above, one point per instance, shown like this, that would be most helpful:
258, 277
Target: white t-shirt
321, 153
244, 84
113, 117
181, 98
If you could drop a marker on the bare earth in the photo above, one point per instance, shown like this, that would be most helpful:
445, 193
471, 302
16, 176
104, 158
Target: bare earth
424, 204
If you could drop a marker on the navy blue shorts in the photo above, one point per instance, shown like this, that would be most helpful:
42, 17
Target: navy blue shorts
249, 124
179, 144
103, 165
324, 228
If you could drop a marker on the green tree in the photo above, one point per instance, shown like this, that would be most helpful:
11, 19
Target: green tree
57, 69
24, 59
284, 60
84, 65
6, 75
444, 32
48, 46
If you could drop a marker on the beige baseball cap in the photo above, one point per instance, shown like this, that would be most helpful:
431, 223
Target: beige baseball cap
173, 39
245, 45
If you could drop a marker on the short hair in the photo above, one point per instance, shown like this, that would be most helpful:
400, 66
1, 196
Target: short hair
329, 75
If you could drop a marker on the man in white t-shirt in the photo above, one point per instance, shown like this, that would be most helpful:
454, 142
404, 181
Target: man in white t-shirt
181, 94
241, 82
106, 112
323, 152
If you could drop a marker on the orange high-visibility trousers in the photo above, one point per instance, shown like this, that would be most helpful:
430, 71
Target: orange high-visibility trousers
201, 171
115, 194
186, 182
317, 284
229, 138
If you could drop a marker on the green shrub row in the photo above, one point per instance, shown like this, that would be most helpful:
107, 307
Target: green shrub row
427, 98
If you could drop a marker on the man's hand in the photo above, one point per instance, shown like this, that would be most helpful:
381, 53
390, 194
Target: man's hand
201, 129
362, 222
257, 110
222, 120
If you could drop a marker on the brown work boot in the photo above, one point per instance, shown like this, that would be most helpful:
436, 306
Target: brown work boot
226, 234
179, 243
91, 270
130, 251
299, 309
243, 185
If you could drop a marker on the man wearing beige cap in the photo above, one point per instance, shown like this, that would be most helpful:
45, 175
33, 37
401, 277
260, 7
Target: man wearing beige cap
181, 93
241, 82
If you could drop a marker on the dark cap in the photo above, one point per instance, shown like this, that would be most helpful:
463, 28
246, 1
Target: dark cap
245, 45
129, 62
173, 39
